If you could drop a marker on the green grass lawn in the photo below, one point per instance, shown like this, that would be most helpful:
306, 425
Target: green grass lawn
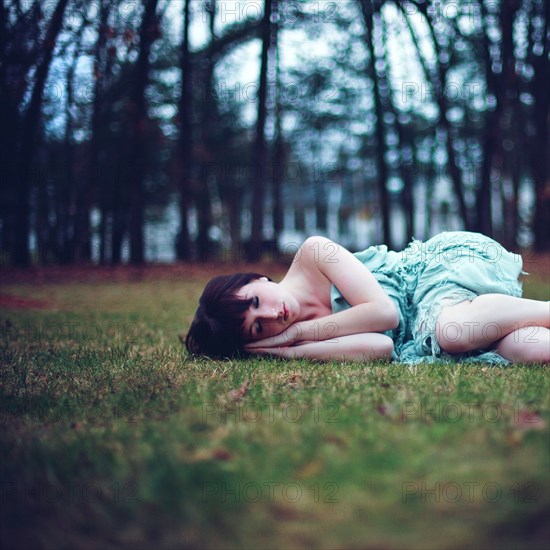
111, 436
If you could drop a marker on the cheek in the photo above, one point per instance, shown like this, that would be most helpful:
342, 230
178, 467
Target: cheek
272, 329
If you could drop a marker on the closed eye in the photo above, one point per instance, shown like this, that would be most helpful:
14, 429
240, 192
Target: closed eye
255, 330
256, 302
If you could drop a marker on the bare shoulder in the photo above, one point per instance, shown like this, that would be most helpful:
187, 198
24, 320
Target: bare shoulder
312, 258
308, 268
323, 259
327, 257
311, 254
320, 250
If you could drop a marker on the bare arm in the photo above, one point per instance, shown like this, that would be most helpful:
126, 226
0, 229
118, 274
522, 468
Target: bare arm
327, 263
359, 319
355, 347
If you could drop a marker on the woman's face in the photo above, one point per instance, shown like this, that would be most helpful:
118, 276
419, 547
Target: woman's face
273, 309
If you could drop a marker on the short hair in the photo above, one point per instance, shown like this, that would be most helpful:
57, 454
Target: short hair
216, 330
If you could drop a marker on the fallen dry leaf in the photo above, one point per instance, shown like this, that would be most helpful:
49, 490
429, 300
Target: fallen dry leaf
386, 409
294, 379
514, 438
335, 440
287, 513
310, 469
238, 393
221, 454
527, 420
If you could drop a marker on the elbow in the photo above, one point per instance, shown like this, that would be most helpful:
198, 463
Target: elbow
376, 347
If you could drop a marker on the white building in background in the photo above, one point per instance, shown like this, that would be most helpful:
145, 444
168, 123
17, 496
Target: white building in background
356, 230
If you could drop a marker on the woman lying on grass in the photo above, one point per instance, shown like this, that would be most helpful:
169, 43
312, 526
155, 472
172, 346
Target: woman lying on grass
457, 293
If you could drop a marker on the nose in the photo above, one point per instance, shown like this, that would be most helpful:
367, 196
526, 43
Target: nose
271, 313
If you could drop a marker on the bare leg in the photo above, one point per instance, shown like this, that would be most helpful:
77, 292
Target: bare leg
526, 345
479, 323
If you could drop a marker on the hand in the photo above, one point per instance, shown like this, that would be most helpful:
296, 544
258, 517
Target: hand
285, 352
289, 337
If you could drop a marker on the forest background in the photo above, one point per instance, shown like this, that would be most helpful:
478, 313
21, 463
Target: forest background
239, 127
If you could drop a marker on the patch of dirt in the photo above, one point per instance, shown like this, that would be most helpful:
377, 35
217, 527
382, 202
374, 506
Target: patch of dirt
89, 273
537, 264
17, 302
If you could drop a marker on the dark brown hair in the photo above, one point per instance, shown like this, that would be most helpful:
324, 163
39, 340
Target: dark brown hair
216, 330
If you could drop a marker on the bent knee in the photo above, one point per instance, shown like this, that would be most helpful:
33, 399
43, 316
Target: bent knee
527, 354
526, 345
452, 338
384, 347
455, 330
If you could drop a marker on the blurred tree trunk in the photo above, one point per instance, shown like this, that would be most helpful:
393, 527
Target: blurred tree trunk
501, 85
319, 185
439, 83
119, 220
299, 217
99, 122
484, 218
3, 39
371, 16
75, 214
9, 128
279, 162
259, 157
185, 142
202, 193
280, 156
65, 188
279, 159
516, 184
483, 221
12, 86
139, 125
541, 85
406, 156
66, 198
40, 182
234, 204
429, 207
29, 130
115, 158
192, 63
407, 195
510, 126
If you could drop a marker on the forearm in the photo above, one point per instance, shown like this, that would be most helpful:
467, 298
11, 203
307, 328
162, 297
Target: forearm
356, 347
362, 318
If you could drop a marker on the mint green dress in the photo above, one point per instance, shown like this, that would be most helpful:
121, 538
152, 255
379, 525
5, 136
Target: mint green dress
445, 270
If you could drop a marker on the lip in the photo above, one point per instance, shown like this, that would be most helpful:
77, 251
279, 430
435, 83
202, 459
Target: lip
285, 311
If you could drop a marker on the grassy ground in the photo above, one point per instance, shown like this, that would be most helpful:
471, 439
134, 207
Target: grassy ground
112, 436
